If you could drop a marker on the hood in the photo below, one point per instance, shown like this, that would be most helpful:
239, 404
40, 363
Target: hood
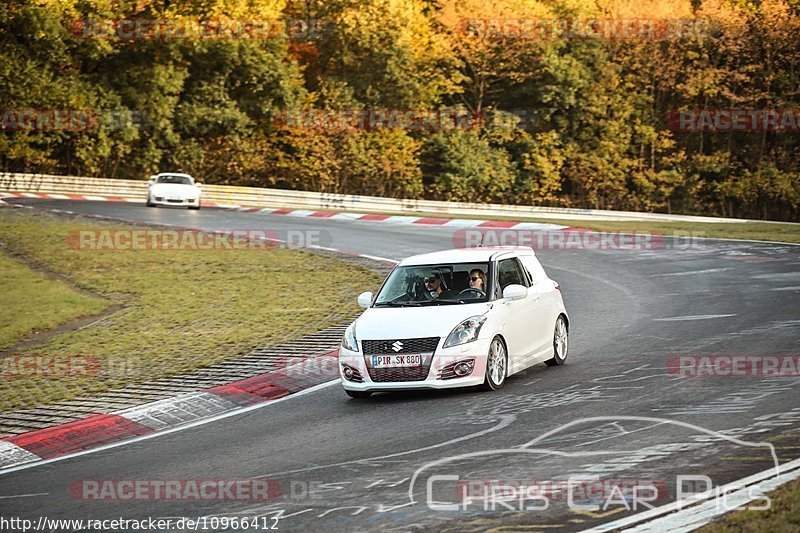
165, 189
409, 322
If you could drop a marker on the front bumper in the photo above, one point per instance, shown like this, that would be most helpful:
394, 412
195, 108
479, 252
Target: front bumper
441, 359
182, 202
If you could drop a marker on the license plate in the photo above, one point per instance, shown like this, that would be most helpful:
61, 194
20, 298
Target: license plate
396, 361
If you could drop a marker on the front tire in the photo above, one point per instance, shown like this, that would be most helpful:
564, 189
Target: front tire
560, 343
149, 203
358, 394
496, 365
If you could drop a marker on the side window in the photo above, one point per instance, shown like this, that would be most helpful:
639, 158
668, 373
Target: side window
534, 268
510, 273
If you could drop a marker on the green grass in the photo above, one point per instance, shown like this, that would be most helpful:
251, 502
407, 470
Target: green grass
783, 515
181, 309
32, 302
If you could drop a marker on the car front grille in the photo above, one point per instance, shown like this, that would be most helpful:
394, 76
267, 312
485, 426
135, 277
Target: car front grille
384, 375
387, 347
424, 346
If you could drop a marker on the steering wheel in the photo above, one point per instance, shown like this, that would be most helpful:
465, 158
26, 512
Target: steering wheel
470, 290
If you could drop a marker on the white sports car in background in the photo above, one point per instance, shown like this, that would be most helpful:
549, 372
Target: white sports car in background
173, 189
430, 326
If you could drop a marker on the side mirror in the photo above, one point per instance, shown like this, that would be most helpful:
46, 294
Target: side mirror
365, 299
197, 183
515, 292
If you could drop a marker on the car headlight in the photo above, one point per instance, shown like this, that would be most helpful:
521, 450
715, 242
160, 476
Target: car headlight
465, 332
349, 341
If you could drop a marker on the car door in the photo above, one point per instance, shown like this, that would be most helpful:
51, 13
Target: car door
544, 306
518, 314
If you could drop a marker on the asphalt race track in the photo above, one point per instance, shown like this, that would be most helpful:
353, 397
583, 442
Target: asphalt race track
347, 464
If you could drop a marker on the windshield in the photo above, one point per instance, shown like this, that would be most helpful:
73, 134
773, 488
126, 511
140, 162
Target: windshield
456, 283
181, 180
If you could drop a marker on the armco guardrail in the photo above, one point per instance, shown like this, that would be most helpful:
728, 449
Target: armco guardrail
279, 198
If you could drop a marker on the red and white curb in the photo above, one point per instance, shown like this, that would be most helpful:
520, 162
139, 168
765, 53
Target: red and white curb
106, 428
401, 219
329, 215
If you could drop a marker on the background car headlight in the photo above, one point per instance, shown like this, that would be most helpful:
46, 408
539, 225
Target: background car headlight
465, 332
349, 341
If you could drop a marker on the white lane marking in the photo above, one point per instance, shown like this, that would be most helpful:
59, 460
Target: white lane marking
690, 272
95, 198
759, 482
373, 257
690, 317
172, 430
464, 223
24, 495
345, 216
397, 219
795, 288
777, 276
699, 515
299, 213
505, 420
539, 226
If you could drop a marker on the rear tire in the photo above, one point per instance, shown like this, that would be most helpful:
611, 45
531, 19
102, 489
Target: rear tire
560, 343
496, 365
358, 394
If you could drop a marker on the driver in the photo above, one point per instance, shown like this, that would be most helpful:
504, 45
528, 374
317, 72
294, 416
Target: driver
477, 280
436, 286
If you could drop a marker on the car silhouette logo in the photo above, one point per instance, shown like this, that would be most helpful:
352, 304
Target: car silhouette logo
397, 346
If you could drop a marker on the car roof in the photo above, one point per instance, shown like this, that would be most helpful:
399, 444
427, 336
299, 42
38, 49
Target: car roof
465, 255
173, 174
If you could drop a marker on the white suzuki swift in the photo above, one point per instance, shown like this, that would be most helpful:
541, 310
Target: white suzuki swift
456, 318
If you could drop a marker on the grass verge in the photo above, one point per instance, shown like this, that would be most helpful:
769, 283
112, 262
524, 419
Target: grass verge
32, 302
181, 309
783, 515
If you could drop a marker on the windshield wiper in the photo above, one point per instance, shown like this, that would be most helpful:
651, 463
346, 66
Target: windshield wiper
398, 304
440, 301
